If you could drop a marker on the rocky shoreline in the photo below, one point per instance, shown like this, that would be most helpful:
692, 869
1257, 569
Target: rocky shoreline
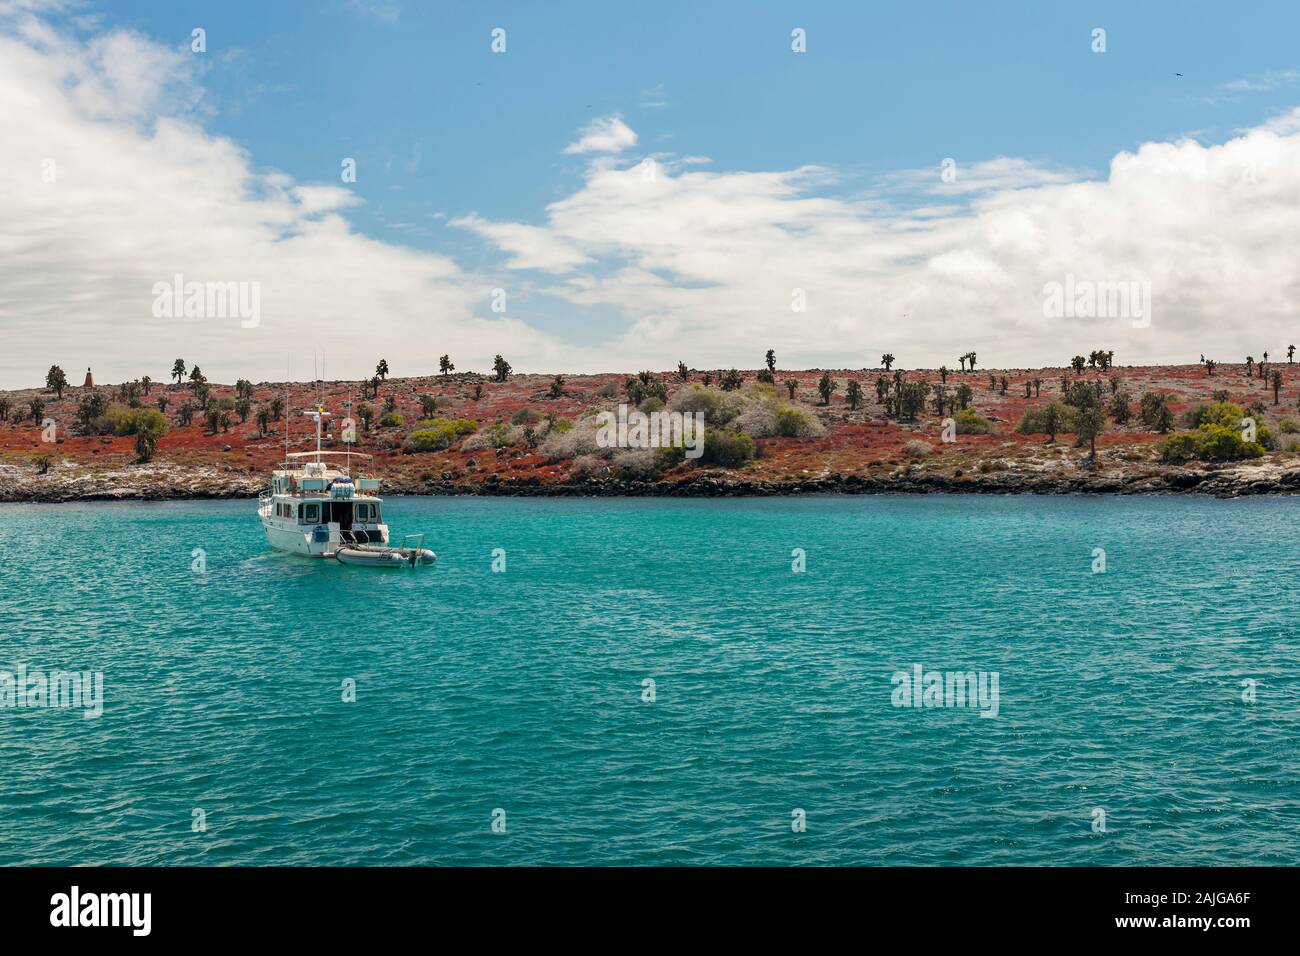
163, 482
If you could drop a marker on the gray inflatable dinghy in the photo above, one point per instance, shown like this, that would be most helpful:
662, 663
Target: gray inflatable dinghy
380, 556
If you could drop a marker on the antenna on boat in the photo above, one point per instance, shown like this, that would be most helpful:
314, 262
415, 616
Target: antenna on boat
349, 424
286, 407
319, 414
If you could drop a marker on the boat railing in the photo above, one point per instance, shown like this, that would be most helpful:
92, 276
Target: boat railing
349, 536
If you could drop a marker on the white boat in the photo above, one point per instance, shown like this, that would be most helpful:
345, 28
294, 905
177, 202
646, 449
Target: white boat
318, 509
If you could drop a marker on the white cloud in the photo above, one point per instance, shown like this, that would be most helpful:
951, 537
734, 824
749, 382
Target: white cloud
1002, 172
141, 192
385, 10
1262, 83
702, 265
1234, 90
530, 247
1285, 125
317, 199
608, 134
655, 98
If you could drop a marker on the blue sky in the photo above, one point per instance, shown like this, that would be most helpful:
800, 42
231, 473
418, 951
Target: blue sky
438, 123
443, 129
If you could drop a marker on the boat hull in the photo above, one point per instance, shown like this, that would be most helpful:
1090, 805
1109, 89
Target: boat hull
311, 541
292, 539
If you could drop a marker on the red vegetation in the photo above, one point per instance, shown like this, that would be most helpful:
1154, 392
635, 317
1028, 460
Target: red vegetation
858, 442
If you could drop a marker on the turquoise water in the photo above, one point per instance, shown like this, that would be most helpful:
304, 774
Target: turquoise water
523, 690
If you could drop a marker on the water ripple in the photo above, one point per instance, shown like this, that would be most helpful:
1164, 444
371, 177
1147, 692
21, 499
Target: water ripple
524, 691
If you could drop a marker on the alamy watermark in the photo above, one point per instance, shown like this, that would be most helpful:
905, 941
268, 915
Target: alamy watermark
922, 689
637, 429
179, 299
75, 908
1087, 299
27, 689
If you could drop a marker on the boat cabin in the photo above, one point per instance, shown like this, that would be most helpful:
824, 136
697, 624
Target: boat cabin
342, 513
314, 507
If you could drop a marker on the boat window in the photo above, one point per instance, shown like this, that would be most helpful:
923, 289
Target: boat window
361, 512
311, 514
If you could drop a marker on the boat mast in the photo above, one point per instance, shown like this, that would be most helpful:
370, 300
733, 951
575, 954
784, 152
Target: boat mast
318, 414
348, 421
320, 402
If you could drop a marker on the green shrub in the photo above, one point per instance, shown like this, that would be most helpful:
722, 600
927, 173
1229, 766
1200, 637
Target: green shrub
497, 436
644, 386
670, 456
1226, 414
1082, 394
1195, 415
729, 449
1033, 422
146, 443
971, 422
1210, 442
392, 420
1152, 407
1119, 407
1220, 443
637, 464
439, 433
730, 381
134, 421
718, 408
1288, 426
1177, 449
560, 426
791, 422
